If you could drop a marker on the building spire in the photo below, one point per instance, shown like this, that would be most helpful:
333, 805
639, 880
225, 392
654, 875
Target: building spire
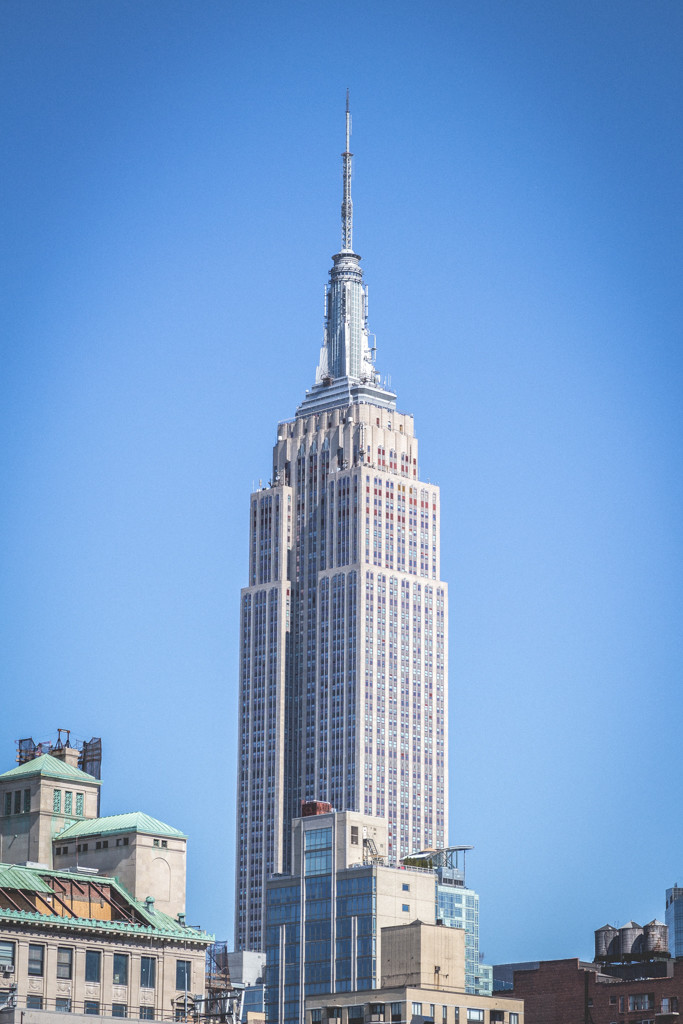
347, 205
346, 372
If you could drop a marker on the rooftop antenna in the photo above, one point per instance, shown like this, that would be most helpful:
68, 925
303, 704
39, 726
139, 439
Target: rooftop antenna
347, 205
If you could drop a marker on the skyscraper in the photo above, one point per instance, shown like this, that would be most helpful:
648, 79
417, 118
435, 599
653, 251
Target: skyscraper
343, 626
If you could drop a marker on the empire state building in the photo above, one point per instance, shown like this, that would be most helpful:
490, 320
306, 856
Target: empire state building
343, 624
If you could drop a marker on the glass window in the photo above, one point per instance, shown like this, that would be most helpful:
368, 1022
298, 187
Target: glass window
36, 960
146, 1013
182, 975
34, 1002
62, 1004
7, 955
79, 804
417, 1009
514, 1018
57, 801
8, 803
474, 1014
148, 972
120, 976
93, 960
119, 1010
17, 802
68, 802
92, 1007
27, 801
406, 908
64, 962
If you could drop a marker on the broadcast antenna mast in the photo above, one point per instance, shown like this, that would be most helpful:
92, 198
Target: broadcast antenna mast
347, 205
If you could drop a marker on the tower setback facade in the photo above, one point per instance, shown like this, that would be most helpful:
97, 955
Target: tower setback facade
343, 625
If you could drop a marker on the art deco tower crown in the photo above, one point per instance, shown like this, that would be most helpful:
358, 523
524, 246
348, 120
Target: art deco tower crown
346, 373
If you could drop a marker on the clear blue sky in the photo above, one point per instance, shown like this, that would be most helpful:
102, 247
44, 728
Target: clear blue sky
171, 184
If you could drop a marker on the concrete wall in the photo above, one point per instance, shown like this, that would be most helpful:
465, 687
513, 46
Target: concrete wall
412, 954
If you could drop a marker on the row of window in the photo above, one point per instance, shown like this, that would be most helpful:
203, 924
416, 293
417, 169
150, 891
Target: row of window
100, 844
21, 805
69, 807
393, 1012
90, 1006
93, 965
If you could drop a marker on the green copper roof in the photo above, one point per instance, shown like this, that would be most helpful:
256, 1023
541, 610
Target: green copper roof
12, 876
34, 879
135, 821
51, 767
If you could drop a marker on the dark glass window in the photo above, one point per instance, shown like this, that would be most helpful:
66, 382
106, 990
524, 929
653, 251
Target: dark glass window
119, 1010
93, 961
92, 1007
182, 975
148, 972
36, 960
34, 1002
120, 976
146, 1013
64, 962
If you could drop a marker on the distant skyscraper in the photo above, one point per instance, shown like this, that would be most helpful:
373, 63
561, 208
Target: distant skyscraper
343, 643
674, 919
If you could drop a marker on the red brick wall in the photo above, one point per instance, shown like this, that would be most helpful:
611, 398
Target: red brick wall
563, 992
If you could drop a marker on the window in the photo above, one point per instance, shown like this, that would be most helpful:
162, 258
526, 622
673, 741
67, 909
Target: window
514, 1018
92, 1007
82, 848
354, 835
148, 972
34, 1002
444, 1014
64, 962
406, 886
316, 1016
93, 961
119, 1010
122, 842
27, 801
17, 802
62, 1005
79, 804
146, 1013
120, 976
8, 803
155, 842
36, 960
474, 1014
7, 955
642, 1001
68, 802
406, 908
57, 801
182, 975
417, 1009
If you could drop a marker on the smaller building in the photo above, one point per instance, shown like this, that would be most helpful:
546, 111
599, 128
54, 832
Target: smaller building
147, 856
560, 991
422, 982
79, 942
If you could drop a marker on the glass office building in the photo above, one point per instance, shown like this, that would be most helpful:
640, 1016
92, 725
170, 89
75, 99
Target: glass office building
674, 919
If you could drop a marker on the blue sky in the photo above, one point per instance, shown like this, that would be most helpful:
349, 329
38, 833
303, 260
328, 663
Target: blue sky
171, 184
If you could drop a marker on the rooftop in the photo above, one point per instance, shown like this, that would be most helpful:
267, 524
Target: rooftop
66, 899
134, 821
52, 768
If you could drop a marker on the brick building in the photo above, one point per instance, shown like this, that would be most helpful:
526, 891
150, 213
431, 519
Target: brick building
574, 992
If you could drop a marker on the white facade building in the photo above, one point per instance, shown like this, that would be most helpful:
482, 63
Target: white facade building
343, 645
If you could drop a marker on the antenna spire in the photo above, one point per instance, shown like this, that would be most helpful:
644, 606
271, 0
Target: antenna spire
347, 205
